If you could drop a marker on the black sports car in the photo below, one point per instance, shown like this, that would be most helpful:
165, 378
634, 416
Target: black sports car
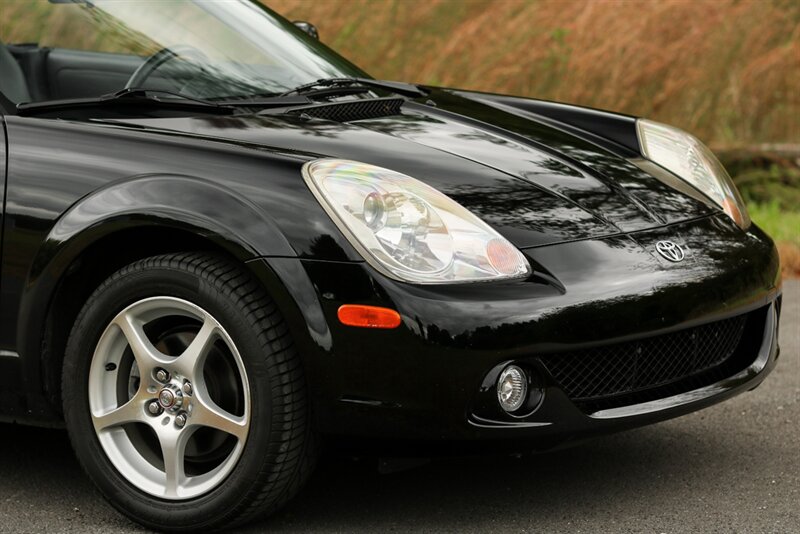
223, 245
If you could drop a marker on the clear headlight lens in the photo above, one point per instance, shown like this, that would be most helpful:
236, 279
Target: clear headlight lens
688, 158
409, 230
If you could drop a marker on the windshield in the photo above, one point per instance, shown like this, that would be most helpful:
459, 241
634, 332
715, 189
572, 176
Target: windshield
214, 50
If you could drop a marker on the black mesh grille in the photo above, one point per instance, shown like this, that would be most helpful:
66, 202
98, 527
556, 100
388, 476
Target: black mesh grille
353, 110
647, 369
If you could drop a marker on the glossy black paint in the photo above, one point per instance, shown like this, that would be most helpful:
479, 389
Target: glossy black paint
83, 198
452, 336
614, 131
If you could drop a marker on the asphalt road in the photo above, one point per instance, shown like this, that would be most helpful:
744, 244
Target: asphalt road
734, 467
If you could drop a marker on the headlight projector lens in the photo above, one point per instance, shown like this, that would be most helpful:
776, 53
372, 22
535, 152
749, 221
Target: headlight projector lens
512, 388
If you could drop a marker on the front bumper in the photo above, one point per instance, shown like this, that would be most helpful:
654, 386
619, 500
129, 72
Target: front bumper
422, 381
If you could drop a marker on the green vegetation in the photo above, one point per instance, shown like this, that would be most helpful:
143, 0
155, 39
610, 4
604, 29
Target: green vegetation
778, 185
781, 224
770, 183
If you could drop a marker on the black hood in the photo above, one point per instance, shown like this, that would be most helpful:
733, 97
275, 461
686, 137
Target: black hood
534, 182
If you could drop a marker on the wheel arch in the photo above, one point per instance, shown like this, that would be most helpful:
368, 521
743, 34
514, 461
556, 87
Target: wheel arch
115, 226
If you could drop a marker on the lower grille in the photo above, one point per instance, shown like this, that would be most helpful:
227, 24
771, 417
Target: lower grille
647, 369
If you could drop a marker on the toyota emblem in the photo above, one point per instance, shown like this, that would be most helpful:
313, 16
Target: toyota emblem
669, 250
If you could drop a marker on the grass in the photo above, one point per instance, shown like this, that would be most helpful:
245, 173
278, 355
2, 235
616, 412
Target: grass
784, 227
770, 183
780, 224
726, 70
790, 259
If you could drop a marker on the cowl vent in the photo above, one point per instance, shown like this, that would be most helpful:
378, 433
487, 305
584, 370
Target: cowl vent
352, 110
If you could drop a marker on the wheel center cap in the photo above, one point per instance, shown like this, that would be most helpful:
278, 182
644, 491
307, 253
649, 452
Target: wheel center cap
166, 398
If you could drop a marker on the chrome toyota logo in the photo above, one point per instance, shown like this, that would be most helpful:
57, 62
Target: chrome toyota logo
670, 250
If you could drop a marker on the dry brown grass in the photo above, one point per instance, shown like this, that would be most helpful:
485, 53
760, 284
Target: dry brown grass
790, 259
727, 70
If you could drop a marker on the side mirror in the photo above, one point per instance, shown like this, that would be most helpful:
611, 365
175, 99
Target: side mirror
307, 27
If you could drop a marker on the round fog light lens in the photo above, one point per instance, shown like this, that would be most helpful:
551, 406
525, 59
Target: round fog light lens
512, 388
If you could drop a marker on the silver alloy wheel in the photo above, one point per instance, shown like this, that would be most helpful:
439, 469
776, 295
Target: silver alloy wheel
181, 405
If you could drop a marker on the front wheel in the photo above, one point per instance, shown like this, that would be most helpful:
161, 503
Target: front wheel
184, 397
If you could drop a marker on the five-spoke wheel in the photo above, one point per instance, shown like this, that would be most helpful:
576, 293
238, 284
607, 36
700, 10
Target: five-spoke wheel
184, 397
156, 373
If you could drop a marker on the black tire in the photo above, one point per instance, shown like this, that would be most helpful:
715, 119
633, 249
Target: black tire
280, 450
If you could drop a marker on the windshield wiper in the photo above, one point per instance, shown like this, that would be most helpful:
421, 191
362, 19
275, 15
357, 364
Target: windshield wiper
129, 96
140, 96
400, 88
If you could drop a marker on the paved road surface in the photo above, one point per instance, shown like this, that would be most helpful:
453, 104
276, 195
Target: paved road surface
732, 467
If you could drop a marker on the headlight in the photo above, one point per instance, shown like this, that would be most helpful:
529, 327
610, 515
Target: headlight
688, 158
407, 229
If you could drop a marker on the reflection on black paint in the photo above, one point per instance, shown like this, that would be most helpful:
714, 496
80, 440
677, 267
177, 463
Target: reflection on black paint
614, 287
325, 246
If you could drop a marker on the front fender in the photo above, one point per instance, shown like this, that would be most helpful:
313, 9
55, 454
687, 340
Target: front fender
167, 201
172, 199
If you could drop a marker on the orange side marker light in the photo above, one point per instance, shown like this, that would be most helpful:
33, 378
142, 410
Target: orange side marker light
368, 316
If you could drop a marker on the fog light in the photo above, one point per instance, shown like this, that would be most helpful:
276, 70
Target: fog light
512, 388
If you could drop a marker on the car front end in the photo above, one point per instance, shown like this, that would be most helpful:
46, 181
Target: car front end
618, 338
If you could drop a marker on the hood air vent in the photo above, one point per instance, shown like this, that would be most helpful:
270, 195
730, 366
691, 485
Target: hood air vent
352, 110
